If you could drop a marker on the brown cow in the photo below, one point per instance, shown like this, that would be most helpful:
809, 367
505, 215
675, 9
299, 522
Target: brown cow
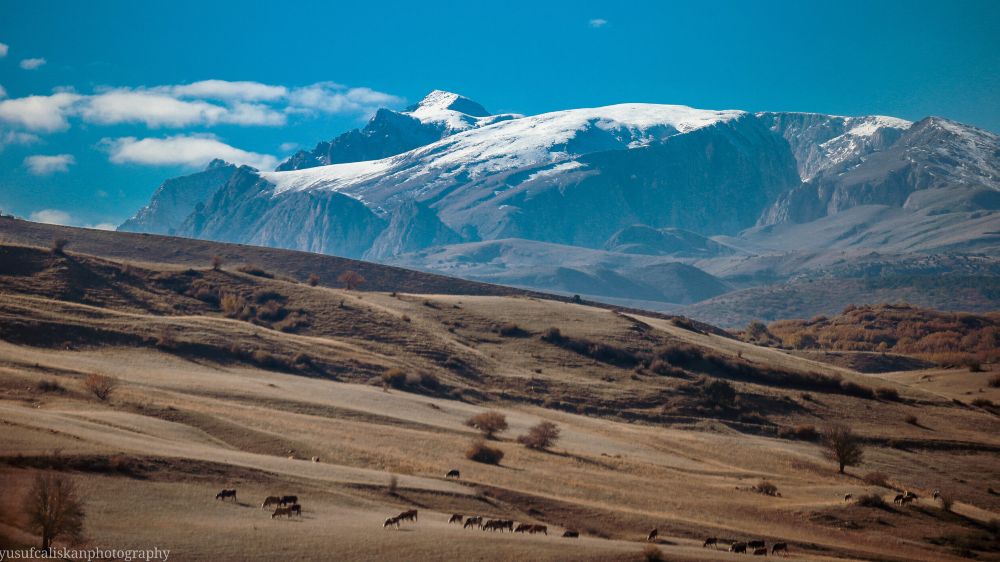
651, 537
757, 544
848, 497
455, 518
269, 501
282, 511
523, 528
738, 547
571, 534
898, 498
391, 522
410, 515
779, 546
711, 541
473, 522
760, 552
296, 509
285, 500
539, 529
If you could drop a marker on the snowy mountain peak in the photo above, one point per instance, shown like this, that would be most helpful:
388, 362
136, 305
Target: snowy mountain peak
453, 111
440, 100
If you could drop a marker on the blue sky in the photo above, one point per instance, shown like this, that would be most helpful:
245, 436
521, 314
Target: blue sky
104, 100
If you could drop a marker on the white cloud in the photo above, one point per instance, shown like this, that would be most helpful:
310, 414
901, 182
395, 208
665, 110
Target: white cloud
10, 138
598, 23
43, 165
32, 64
39, 113
288, 146
56, 216
329, 97
3, 92
52, 216
225, 90
185, 150
3, 50
202, 104
162, 110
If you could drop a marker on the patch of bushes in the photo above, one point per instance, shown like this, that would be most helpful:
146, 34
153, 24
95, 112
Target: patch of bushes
489, 423
479, 451
255, 270
872, 500
602, 352
852, 388
313, 280
912, 420
982, 403
994, 381
799, 432
265, 295
101, 386
394, 377
511, 330
887, 393
50, 386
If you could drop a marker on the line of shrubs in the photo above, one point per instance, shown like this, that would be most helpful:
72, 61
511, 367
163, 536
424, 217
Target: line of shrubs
677, 359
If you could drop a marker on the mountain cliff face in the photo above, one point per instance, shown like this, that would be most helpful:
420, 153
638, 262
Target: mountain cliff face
177, 198
737, 197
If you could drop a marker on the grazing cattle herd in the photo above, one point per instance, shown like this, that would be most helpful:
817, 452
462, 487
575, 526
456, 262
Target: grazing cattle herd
288, 505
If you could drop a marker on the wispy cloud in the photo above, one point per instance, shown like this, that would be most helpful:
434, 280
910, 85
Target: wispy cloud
56, 216
3, 92
203, 104
11, 138
184, 150
32, 64
43, 165
597, 23
4, 48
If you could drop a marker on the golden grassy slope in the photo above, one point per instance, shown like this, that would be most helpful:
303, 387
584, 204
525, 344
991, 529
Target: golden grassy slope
639, 450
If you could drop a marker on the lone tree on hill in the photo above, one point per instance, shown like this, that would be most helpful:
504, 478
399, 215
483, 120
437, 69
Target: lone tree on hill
540, 436
351, 279
54, 509
843, 446
490, 423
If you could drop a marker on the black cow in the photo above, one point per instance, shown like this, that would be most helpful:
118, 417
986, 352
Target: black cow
226, 494
453, 473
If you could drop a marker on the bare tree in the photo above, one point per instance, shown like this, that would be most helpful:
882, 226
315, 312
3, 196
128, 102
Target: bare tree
351, 279
490, 423
55, 509
216, 262
541, 436
100, 386
843, 446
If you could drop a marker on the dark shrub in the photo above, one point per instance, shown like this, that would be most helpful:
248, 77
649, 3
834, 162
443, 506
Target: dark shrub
59, 246
394, 377
800, 432
511, 330
50, 386
313, 280
479, 451
719, 393
872, 500
887, 393
766, 487
255, 270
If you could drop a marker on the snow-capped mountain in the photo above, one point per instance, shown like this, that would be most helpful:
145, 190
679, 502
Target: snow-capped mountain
702, 186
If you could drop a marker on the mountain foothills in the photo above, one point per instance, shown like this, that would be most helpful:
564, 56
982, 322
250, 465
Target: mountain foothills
660, 206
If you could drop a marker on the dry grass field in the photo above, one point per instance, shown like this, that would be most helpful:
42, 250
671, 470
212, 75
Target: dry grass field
233, 379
